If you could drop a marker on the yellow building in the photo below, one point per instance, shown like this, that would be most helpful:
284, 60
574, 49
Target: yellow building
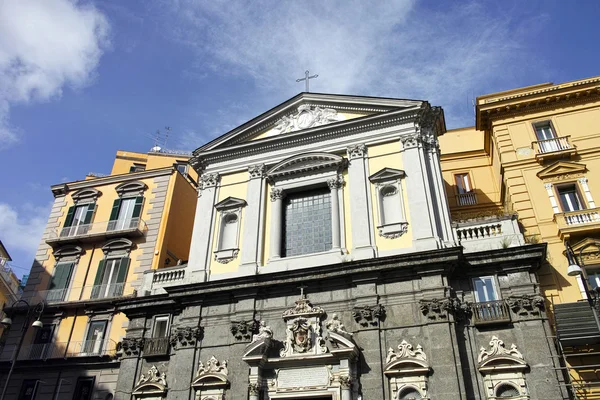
532, 154
103, 233
9, 286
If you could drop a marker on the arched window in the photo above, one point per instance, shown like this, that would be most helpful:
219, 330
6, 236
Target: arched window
230, 211
228, 231
390, 203
409, 393
391, 209
507, 391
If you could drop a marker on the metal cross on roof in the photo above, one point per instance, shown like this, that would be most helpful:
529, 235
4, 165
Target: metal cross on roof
306, 78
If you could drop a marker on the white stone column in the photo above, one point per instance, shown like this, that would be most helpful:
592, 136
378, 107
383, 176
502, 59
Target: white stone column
361, 217
277, 196
422, 224
443, 208
334, 186
200, 248
553, 203
586, 191
251, 254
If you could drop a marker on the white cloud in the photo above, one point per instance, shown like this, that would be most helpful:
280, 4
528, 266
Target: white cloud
45, 45
395, 48
21, 229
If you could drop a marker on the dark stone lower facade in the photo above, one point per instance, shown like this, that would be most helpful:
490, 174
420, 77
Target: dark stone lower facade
390, 328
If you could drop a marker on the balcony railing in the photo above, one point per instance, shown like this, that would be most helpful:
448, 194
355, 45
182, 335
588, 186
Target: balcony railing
104, 229
84, 293
156, 347
552, 145
488, 234
10, 280
156, 280
490, 312
578, 221
85, 348
466, 199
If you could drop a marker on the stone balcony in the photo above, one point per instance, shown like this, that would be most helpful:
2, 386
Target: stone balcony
488, 234
575, 222
554, 147
156, 280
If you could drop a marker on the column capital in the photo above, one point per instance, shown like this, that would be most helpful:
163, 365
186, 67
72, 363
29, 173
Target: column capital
335, 183
277, 194
257, 171
210, 180
411, 140
356, 151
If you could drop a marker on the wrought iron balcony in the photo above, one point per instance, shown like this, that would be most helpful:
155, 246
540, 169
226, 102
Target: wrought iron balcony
156, 347
45, 351
84, 293
490, 312
466, 199
580, 221
133, 227
558, 146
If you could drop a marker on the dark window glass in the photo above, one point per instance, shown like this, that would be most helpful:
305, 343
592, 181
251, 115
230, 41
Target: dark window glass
28, 389
307, 222
84, 389
507, 391
569, 198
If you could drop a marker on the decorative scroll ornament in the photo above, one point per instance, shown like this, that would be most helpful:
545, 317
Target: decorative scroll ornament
369, 315
405, 350
187, 336
410, 140
210, 180
277, 194
253, 389
336, 326
153, 376
243, 330
264, 332
213, 366
402, 229
306, 117
526, 304
303, 308
303, 333
131, 346
436, 309
257, 171
357, 151
497, 349
345, 381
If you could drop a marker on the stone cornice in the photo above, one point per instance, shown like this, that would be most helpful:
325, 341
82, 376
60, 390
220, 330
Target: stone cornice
111, 179
320, 133
545, 97
522, 258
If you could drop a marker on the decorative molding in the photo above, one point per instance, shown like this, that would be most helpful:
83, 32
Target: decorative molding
411, 140
387, 175
305, 117
136, 188
213, 366
257, 171
264, 332
253, 389
303, 164
152, 382
186, 336
336, 326
68, 251
369, 315
303, 330
210, 180
497, 349
356, 151
393, 231
226, 256
345, 381
86, 195
243, 330
277, 194
118, 245
439, 309
526, 304
405, 350
131, 346
303, 308
335, 183
230, 203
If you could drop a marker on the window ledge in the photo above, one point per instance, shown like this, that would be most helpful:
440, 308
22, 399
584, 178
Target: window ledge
393, 231
227, 255
332, 256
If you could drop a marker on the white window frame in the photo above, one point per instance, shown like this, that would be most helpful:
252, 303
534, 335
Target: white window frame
384, 180
494, 286
162, 317
581, 201
227, 208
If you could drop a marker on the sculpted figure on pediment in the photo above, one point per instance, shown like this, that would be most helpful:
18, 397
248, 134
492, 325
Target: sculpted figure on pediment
306, 117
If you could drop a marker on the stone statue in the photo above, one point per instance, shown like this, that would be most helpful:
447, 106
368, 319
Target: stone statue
264, 332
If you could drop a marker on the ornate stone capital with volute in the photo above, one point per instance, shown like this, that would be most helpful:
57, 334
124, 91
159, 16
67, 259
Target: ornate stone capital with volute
345, 382
131, 346
210, 180
277, 194
369, 315
335, 183
244, 330
526, 305
253, 389
357, 151
186, 336
410, 141
257, 171
439, 309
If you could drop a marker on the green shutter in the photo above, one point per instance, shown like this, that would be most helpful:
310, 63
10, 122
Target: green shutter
98, 281
89, 213
137, 209
62, 273
114, 214
123, 268
70, 214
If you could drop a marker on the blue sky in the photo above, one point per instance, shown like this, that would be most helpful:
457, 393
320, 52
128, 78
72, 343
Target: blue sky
81, 79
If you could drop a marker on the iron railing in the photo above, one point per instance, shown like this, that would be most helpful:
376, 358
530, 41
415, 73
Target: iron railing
98, 229
84, 348
156, 347
490, 312
84, 293
466, 199
552, 145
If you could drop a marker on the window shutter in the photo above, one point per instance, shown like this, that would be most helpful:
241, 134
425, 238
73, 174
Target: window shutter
114, 214
123, 268
137, 209
98, 281
70, 214
62, 273
89, 214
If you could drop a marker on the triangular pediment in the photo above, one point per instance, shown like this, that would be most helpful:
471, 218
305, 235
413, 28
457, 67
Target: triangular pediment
587, 251
561, 168
309, 111
387, 174
230, 203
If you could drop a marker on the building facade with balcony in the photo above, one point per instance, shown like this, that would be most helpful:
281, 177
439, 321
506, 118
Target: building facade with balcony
325, 264
532, 157
103, 233
10, 290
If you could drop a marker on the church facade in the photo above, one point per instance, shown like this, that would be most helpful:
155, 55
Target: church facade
324, 264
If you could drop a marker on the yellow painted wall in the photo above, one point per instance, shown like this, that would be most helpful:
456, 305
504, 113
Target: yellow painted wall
125, 159
388, 156
232, 185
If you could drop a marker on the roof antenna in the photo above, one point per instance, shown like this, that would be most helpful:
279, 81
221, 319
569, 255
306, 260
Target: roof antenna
156, 148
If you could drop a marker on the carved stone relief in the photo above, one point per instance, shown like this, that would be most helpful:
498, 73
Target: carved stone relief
131, 346
264, 332
526, 305
369, 315
243, 330
186, 336
336, 326
305, 117
497, 349
303, 331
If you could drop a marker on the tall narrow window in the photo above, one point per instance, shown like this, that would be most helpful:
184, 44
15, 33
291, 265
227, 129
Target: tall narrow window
84, 388
307, 222
546, 137
94, 340
125, 213
464, 188
485, 289
161, 326
78, 220
41, 343
569, 198
28, 389
110, 278
59, 285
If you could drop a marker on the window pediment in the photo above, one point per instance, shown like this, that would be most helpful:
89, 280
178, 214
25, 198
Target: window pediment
135, 188
68, 251
117, 245
89, 195
562, 169
151, 383
499, 357
230, 203
387, 174
304, 164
